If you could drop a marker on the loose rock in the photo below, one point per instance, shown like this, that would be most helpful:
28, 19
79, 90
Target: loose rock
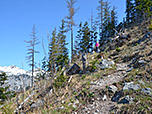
75, 69
105, 64
117, 96
147, 91
112, 88
37, 104
131, 86
126, 100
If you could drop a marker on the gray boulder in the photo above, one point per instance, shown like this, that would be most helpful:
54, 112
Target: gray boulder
146, 36
141, 82
130, 69
75, 69
147, 91
60, 108
38, 103
117, 96
112, 88
105, 64
141, 61
126, 100
131, 86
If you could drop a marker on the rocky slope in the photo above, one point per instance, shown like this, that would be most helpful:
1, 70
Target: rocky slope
132, 89
119, 81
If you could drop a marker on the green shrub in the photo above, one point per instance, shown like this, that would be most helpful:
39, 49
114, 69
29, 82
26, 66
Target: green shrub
118, 49
98, 75
91, 95
93, 67
93, 62
59, 81
150, 26
83, 76
137, 44
84, 89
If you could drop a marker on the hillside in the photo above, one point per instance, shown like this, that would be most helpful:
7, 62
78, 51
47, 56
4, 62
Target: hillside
118, 80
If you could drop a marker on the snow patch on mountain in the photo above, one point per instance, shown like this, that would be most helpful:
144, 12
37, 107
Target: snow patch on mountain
18, 79
14, 70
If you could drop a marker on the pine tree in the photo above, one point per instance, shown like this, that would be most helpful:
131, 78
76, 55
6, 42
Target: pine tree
113, 21
100, 17
31, 51
106, 20
93, 34
62, 58
130, 12
78, 40
53, 52
93, 39
138, 14
85, 40
145, 6
70, 18
3, 87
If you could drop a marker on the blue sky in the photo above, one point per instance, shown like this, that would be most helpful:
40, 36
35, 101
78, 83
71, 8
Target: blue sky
18, 16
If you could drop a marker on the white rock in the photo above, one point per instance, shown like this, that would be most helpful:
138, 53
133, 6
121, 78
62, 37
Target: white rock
112, 88
76, 102
74, 106
104, 98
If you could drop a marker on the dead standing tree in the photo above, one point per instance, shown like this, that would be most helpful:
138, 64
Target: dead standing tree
70, 22
31, 51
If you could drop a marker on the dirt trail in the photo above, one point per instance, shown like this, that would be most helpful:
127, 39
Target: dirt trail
103, 105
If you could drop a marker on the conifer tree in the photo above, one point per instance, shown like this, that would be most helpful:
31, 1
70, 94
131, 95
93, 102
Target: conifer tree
106, 20
93, 34
145, 6
100, 17
93, 39
3, 87
53, 52
62, 58
138, 14
85, 40
78, 40
113, 21
31, 51
70, 18
130, 12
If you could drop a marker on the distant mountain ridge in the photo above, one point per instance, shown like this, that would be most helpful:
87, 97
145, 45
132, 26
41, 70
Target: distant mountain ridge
18, 79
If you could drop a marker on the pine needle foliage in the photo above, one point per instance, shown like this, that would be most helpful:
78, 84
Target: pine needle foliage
53, 52
3, 87
58, 52
62, 59
145, 6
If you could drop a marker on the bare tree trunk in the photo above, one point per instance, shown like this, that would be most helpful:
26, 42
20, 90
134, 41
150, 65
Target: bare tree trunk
71, 43
32, 75
31, 52
84, 61
33, 64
